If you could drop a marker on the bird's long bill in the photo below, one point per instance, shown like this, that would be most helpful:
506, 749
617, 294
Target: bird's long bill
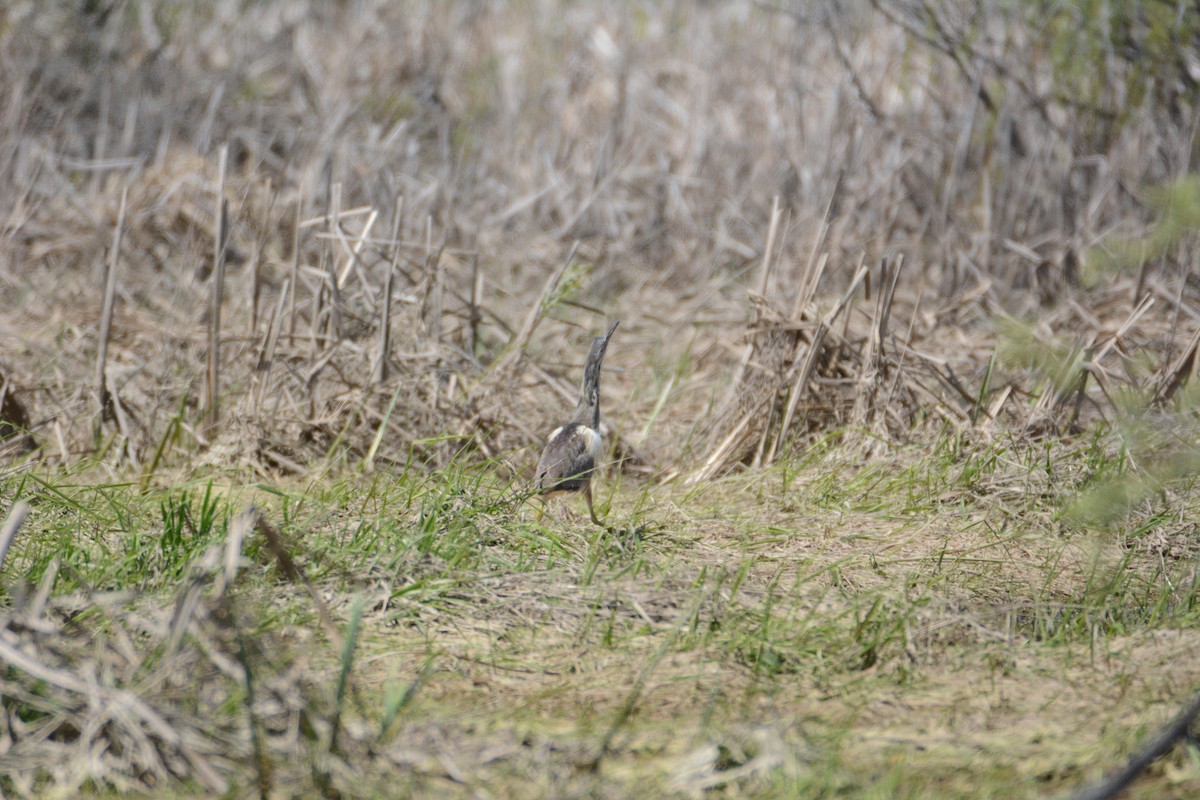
596, 352
600, 343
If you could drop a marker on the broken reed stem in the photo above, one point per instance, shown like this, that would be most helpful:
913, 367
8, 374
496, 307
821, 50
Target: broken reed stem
335, 295
889, 298
714, 461
353, 250
316, 336
772, 231
385, 327
431, 305
255, 289
809, 280
436, 302
385, 314
262, 370
810, 361
816, 268
475, 317
260, 244
103, 399
127, 450
295, 265
873, 364
221, 239
744, 364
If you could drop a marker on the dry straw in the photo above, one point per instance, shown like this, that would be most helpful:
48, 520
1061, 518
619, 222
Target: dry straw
872, 222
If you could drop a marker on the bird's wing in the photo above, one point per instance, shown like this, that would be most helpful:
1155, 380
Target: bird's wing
568, 459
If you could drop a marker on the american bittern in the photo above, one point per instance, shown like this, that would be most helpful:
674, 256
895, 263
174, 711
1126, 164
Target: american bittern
571, 452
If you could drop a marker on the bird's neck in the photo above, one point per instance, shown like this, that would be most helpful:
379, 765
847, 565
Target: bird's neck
588, 409
587, 413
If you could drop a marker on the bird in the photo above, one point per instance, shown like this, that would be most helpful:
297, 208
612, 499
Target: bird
570, 455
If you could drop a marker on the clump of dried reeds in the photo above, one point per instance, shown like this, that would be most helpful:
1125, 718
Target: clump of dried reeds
370, 279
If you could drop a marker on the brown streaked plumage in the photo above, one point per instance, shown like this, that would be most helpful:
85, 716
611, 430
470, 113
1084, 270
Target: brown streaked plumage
571, 452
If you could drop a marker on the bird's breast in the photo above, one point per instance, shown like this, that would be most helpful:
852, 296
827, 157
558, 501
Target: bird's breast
595, 442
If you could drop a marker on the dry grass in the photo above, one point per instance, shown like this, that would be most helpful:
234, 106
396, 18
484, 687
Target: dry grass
903, 479
359, 139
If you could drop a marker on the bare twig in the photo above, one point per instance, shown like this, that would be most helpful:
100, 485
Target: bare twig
1179, 730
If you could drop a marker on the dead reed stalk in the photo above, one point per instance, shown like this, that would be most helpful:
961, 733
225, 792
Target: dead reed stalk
103, 398
212, 385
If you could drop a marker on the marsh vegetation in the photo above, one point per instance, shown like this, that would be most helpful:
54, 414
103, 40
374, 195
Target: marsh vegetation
901, 482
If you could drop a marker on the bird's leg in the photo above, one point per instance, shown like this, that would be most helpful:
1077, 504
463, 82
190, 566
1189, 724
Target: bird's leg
541, 509
587, 495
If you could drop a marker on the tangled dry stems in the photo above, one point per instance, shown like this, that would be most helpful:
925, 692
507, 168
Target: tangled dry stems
424, 156
805, 210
